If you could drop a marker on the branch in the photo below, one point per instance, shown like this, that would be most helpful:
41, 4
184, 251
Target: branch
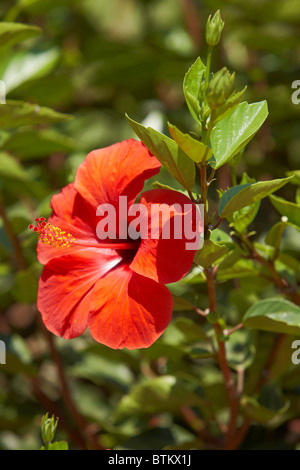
233, 397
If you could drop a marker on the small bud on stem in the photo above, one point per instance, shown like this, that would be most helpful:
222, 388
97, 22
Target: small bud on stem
214, 28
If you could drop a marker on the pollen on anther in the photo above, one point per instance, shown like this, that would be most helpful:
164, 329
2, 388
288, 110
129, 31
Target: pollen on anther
51, 235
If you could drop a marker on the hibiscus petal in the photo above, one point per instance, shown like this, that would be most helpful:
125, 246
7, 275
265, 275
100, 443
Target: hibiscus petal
118, 170
128, 310
168, 259
72, 214
65, 289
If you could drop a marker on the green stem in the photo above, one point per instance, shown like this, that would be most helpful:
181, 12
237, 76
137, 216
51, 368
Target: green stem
204, 198
202, 168
208, 64
233, 176
195, 201
211, 176
233, 398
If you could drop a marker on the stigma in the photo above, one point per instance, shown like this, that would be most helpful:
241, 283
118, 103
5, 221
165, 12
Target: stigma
51, 235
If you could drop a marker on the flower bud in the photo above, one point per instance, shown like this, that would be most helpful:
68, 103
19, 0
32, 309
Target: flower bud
48, 428
214, 27
219, 88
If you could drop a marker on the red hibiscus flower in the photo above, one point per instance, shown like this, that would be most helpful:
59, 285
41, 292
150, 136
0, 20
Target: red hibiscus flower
115, 287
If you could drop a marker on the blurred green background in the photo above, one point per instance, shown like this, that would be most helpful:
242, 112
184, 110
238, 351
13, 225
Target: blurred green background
96, 60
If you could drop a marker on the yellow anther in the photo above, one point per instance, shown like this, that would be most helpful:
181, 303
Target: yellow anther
51, 235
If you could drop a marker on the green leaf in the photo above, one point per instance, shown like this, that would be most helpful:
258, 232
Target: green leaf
201, 353
192, 87
174, 353
191, 330
231, 134
259, 413
181, 304
240, 351
99, 370
26, 284
242, 218
12, 33
283, 362
24, 66
6, 278
11, 168
209, 253
220, 237
231, 103
168, 153
158, 185
275, 233
291, 210
157, 395
241, 268
194, 149
295, 173
29, 143
230, 194
242, 195
19, 113
235, 255
62, 445
18, 356
275, 315
290, 262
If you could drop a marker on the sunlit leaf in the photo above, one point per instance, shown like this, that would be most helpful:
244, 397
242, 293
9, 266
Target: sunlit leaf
276, 315
291, 210
232, 133
168, 153
243, 195
12, 33
193, 148
18, 113
192, 85
24, 66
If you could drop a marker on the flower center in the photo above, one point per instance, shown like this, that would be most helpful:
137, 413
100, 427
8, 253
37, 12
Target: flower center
51, 235
54, 236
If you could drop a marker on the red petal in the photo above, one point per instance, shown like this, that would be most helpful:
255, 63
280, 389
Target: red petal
128, 310
65, 289
165, 260
73, 215
118, 170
